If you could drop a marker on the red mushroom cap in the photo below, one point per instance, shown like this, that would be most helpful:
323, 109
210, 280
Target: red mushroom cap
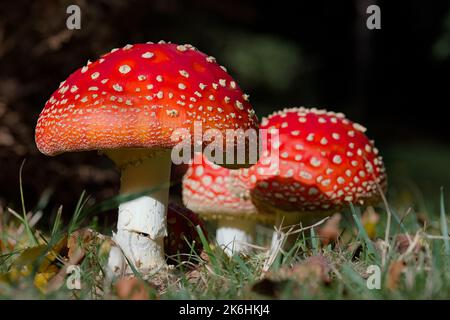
181, 224
325, 162
136, 96
215, 192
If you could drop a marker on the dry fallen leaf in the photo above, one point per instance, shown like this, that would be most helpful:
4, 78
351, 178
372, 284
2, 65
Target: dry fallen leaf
311, 273
394, 272
314, 268
330, 231
131, 288
80, 240
369, 220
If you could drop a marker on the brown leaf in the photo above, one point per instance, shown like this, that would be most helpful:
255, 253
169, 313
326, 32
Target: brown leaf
311, 273
131, 288
78, 242
314, 268
394, 272
330, 231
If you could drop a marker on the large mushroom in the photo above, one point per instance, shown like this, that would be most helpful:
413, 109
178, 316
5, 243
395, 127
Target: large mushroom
127, 105
216, 194
323, 161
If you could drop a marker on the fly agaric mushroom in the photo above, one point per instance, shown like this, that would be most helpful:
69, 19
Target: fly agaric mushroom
127, 104
182, 224
214, 193
325, 162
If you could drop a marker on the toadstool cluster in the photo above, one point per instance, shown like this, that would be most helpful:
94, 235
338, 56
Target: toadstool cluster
319, 162
127, 105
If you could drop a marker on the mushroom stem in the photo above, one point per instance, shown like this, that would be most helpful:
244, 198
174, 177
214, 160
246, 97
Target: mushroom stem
233, 235
141, 225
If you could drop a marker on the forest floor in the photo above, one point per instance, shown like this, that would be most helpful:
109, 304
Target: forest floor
379, 253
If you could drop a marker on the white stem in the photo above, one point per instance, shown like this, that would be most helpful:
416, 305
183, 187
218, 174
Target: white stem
232, 235
141, 225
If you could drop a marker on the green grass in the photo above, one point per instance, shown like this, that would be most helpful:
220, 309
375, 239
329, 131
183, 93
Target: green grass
426, 273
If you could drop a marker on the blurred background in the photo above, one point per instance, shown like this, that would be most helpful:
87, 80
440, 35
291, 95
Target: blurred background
395, 81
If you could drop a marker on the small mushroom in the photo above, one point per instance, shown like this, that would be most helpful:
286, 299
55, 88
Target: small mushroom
214, 193
127, 105
325, 162
183, 237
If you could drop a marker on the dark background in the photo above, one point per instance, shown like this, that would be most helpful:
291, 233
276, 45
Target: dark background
395, 81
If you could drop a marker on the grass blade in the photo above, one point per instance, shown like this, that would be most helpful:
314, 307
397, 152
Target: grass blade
444, 226
208, 249
372, 251
30, 233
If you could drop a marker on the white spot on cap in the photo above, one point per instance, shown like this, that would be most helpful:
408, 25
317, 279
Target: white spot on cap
147, 55
305, 175
172, 113
95, 75
117, 87
315, 162
124, 69
206, 180
359, 127
184, 73
289, 173
337, 159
